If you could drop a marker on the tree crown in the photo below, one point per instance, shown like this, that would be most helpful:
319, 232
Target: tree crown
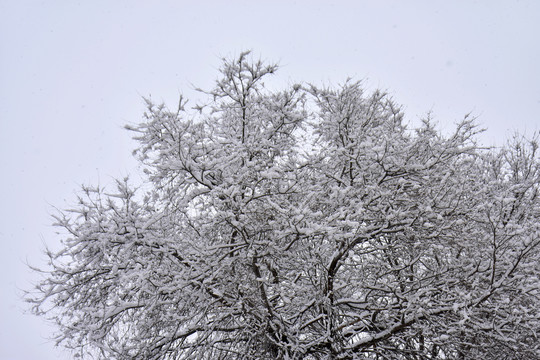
307, 223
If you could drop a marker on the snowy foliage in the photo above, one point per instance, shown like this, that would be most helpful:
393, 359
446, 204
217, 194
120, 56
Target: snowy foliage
309, 223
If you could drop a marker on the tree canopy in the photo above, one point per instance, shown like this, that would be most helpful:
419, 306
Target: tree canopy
305, 223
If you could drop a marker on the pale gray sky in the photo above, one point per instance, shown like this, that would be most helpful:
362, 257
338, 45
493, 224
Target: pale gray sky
72, 73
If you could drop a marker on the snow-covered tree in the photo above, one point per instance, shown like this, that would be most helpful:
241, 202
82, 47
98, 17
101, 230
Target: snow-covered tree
308, 223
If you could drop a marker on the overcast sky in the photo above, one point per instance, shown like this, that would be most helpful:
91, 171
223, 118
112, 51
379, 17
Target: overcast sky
72, 73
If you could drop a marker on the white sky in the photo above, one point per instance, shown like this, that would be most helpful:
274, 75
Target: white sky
72, 73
